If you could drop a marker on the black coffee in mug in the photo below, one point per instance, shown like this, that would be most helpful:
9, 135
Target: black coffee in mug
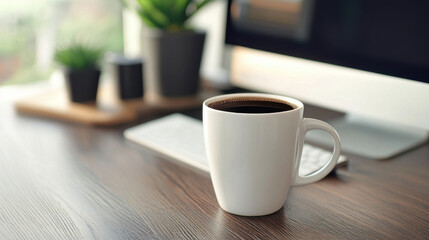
251, 105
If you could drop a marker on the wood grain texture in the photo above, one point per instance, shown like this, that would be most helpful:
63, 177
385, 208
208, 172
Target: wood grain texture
109, 109
66, 181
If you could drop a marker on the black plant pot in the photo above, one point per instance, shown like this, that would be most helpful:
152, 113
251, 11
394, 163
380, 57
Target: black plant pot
127, 74
82, 85
172, 61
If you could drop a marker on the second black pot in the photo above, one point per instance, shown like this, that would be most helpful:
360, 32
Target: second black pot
127, 74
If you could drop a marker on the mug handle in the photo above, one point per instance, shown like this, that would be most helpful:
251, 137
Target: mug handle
313, 124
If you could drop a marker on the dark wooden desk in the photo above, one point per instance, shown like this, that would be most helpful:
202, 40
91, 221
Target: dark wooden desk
65, 181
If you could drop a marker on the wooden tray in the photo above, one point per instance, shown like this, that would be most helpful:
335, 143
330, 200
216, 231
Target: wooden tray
108, 110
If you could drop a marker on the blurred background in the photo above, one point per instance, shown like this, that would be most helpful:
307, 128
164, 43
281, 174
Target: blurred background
31, 30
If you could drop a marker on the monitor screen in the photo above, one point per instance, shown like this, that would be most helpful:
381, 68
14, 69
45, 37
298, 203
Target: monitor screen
390, 37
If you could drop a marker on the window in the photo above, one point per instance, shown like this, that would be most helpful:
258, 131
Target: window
30, 30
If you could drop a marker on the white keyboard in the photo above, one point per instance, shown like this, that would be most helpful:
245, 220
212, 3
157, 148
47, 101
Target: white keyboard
180, 138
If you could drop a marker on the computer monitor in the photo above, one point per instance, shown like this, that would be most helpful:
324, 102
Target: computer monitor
369, 59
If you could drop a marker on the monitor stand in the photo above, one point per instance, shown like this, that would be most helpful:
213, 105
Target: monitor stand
369, 138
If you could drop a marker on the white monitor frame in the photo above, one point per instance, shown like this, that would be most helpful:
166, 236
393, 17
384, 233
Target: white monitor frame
386, 99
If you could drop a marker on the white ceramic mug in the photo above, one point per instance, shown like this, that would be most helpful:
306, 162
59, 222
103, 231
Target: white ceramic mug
254, 157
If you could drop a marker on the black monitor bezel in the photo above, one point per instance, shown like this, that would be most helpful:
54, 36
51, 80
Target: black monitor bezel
234, 36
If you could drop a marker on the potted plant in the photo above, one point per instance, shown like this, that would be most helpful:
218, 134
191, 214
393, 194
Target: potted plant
172, 49
81, 71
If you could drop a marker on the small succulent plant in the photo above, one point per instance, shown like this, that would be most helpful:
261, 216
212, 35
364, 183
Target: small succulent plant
78, 56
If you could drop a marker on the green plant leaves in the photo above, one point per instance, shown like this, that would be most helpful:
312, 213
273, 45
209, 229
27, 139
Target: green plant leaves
168, 14
180, 13
164, 7
78, 56
153, 14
